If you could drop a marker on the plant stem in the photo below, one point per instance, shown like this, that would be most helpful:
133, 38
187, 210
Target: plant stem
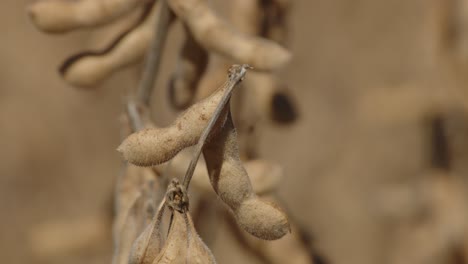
151, 68
237, 73
153, 58
136, 122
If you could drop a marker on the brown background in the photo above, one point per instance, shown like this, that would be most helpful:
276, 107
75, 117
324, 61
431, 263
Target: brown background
362, 71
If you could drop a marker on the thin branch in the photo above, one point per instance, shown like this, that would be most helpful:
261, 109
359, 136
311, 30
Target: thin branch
137, 105
236, 75
150, 70
154, 56
134, 115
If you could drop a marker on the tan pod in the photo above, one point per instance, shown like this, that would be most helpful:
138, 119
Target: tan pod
87, 69
183, 245
148, 244
57, 16
215, 35
157, 145
231, 182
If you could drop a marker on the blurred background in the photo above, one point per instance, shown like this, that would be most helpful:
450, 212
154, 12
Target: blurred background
376, 162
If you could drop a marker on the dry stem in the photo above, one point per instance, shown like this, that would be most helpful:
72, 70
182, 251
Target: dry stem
236, 75
151, 68
153, 58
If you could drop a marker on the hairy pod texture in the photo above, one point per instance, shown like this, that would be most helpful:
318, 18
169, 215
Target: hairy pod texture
58, 16
290, 249
157, 145
264, 176
262, 219
148, 244
231, 182
87, 69
183, 245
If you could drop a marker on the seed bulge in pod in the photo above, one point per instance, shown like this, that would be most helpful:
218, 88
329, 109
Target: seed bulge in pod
262, 219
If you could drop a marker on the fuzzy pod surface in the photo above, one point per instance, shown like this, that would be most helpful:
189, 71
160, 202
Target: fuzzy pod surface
264, 176
183, 245
154, 146
231, 182
148, 244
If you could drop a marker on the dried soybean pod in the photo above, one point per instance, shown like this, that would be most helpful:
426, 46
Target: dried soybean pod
264, 175
148, 244
291, 249
128, 187
89, 68
154, 146
183, 245
231, 182
198, 252
190, 67
176, 245
128, 232
58, 16
215, 35
262, 219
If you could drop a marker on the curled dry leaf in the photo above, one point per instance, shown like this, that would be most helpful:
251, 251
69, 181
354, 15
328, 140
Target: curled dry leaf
154, 146
231, 182
87, 69
215, 35
183, 245
57, 16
